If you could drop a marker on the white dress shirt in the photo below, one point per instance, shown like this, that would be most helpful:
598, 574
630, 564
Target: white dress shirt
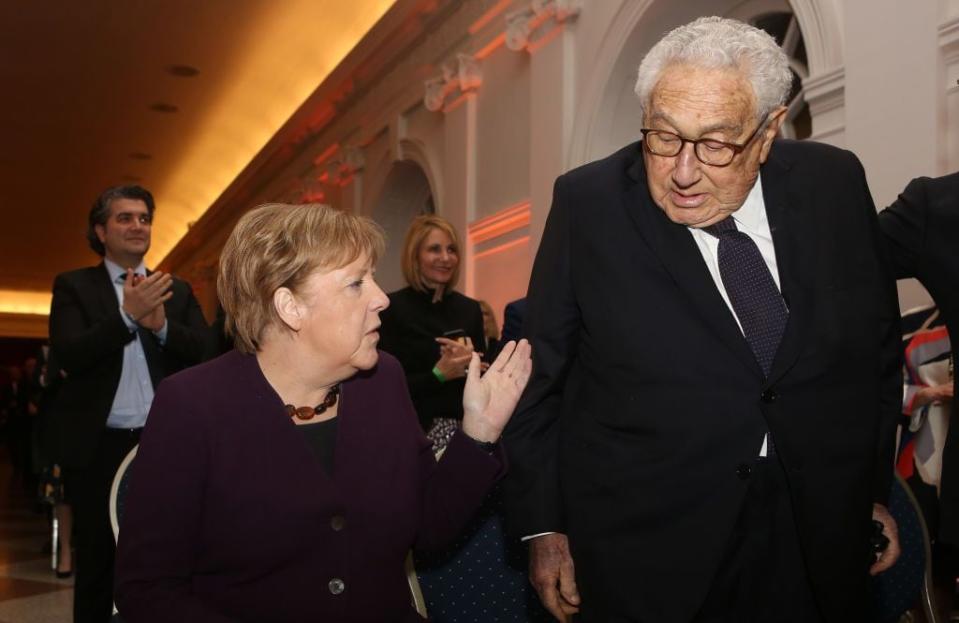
131, 404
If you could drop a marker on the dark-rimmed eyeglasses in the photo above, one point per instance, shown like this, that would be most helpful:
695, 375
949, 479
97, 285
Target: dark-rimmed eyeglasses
708, 150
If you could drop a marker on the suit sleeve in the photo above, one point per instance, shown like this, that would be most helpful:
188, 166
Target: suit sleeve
904, 230
890, 351
187, 331
552, 325
80, 339
160, 535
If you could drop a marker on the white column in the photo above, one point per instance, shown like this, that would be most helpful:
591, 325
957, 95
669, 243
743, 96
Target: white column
552, 84
459, 200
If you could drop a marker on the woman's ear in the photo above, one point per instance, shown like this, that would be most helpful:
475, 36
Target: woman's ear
288, 308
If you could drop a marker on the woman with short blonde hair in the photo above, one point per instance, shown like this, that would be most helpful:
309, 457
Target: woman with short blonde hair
287, 479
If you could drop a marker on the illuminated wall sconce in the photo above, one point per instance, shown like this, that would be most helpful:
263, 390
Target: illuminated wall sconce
521, 24
463, 77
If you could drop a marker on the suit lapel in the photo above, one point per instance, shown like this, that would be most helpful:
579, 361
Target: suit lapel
790, 225
105, 292
676, 249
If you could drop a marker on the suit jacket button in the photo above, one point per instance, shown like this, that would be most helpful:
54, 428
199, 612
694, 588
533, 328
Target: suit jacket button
743, 471
337, 586
338, 522
769, 396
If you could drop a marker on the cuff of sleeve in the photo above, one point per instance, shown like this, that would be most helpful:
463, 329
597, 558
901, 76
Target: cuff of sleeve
128, 320
162, 333
533, 536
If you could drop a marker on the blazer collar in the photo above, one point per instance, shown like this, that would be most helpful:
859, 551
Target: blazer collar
792, 227
106, 293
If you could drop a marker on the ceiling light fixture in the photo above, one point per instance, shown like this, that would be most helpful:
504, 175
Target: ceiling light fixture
182, 71
164, 107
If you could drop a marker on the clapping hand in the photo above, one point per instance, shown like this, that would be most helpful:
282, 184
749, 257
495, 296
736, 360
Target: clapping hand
143, 298
489, 400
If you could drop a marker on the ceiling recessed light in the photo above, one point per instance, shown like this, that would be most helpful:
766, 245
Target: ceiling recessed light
164, 107
182, 71
139, 155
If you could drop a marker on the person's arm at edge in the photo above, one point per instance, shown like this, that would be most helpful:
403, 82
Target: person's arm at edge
903, 226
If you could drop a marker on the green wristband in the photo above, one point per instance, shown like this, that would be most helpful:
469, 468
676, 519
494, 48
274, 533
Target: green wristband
439, 375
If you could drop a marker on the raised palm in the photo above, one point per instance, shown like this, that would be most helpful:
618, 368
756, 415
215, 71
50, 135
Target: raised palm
489, 399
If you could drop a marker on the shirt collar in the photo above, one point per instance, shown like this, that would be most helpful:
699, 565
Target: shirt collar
116, 271
751, 216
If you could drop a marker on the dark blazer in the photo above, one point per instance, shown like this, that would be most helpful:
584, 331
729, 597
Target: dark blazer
87, 333
646, 406
921, 230
231, 517
410, 327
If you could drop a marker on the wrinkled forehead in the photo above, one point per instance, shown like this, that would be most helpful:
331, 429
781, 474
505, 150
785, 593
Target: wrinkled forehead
702, 95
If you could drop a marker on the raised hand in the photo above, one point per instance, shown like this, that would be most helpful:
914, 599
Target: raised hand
454, 357
489, 400
143, 298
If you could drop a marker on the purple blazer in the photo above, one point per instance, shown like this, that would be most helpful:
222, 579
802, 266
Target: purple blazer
230, 516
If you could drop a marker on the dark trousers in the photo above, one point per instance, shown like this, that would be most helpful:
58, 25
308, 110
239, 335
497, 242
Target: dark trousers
762, 577
95, 547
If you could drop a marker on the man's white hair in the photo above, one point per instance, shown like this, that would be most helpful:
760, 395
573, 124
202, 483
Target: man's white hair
717, 42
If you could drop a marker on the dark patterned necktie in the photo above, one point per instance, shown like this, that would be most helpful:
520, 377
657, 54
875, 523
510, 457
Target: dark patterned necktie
752, 291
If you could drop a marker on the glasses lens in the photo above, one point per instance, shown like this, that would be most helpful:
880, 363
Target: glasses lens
663, 143
714, 152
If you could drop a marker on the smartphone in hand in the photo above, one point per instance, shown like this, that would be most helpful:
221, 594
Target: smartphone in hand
458, 335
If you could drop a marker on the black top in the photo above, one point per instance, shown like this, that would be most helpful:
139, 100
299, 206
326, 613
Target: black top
411, 325
321, 437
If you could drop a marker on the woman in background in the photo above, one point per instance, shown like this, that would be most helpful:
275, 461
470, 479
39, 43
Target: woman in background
490, 332
286, 480
431, 328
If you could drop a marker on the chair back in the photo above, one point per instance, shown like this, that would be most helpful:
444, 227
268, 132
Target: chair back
117, 492
909, 581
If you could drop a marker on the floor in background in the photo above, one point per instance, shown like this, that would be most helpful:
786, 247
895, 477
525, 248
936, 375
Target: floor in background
29, 590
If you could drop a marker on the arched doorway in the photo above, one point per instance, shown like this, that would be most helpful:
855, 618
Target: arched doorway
405, 194
609, 115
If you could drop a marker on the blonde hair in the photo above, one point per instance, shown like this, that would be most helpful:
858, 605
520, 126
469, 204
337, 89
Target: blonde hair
415, 236
279, 246
489, 324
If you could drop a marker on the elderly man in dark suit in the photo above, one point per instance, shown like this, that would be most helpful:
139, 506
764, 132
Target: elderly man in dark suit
708, 432
117, 329
920, 230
